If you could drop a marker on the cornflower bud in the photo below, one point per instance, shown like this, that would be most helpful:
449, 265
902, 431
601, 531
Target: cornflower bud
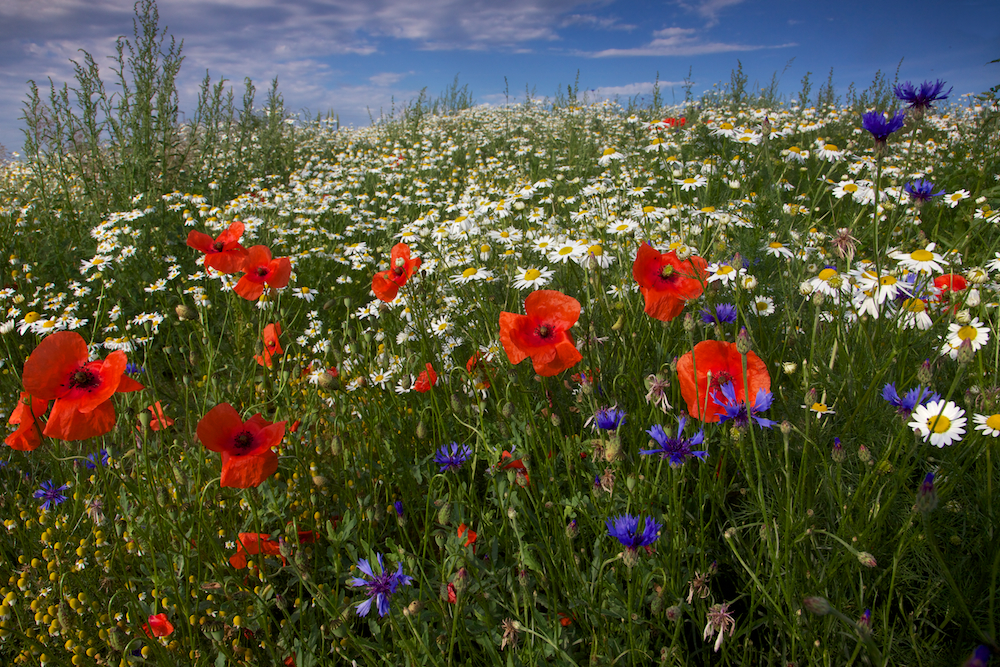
838, 454
965, 352
866, 559
864, 455
817, 605
743, 341
924, 375
927, 499
688, 322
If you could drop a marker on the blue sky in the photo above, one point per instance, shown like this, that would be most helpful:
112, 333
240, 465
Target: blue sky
355, 57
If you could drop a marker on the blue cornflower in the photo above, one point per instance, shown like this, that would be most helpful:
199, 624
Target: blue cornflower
979, 658
451, 457
725, 313
922, 97
737, 411
880, 126
97, 458
609, 419
625, 529
52, 495
134, 369
380, 586
398, 506
676, 449
916, 396
921, 190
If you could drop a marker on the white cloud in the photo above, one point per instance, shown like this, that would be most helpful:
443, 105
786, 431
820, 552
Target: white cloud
708, 9
384, 79
681, 42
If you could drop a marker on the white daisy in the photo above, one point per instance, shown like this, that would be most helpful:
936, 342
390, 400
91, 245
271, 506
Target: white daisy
471, 274
776, 249
974, 332
988, 424
956, 197
762, 306
566, 251
922, 260
914, 315
723, 273
691, 183
532, 278
942, 423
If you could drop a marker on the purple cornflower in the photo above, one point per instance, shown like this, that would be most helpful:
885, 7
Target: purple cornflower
609, 419
380, 586
97, 458
881, 127
134, 369
398, 506
979, 658
927, 498
625, 529
922, 97
676, 449
908, 403
921, 190
451, 457
725, 313
737, 411
52, 495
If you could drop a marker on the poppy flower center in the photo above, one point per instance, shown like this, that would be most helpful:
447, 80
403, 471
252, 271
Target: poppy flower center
721, 378
666, 271
218, 246
243, 441
261, 271
544, 331
83, 379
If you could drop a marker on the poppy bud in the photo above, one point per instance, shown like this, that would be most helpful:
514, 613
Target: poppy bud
456, 403
186, 312
421, 430
335, 445
508, 410
444, 514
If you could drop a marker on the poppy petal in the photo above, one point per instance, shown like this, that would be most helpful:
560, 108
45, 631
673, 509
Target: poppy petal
243, 472
49, 367
68, 423
217, 428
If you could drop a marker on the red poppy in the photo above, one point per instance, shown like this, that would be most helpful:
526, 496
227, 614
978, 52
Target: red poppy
517, 465
28, 435
261, 543
247, 457
272, 347
251, 544
565, 619
425, 380
259, 270
452, 593
949, 283
59, 370
666, 282
470, 536
160, 420
224, 254
158, 626
386, 283
543, 332
725, 364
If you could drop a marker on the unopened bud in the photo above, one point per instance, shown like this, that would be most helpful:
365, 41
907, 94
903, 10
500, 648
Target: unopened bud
838, 454
421, 430
927, 499
866, 559
864, 455
456, 404
924, 375
743, 341
335, 446
572, 530
965, 352
816, 605
789, 367
186, 312
444, 514
684, 252
508, 410
688, 322
630, 557
327, 381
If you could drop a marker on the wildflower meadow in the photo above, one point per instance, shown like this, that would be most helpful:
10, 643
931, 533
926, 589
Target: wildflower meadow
556, 382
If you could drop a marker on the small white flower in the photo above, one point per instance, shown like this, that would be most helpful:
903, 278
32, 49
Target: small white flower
942, 423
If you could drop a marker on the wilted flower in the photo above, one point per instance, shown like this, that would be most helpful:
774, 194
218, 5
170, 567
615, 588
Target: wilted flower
721, 621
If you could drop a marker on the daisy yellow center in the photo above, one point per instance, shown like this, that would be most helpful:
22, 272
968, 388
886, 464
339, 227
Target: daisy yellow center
726, 126
708, 209
505, 235
468, 273
775, 245
565, 251
827, 274
725, 269
689, 180
915, 305
921, 256
939, 424
609, 151
657, 141
794, 149
850, 187
31, 317
595, 250
968, 333
819, 407
831, 147
484, 248
885, 281
648, 209
762, 305
993, 421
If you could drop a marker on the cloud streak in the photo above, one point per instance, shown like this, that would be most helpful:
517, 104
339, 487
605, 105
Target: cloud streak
681, 42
